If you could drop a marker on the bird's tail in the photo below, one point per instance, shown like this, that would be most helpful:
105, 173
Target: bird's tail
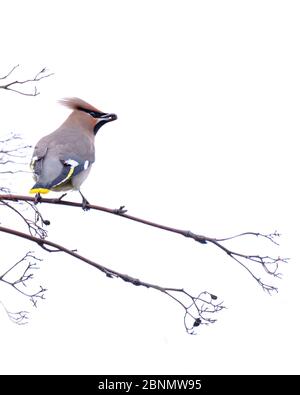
39, 188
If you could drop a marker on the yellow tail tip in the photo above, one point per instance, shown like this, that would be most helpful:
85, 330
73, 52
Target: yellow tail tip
39, 190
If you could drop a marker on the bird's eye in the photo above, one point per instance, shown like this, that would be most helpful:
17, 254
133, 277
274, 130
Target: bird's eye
93, 114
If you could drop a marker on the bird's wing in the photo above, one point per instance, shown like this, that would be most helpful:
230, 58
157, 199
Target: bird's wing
75, 158
36, 163
55, 162
70, 168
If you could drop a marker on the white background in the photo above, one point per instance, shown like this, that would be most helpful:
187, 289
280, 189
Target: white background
207, 98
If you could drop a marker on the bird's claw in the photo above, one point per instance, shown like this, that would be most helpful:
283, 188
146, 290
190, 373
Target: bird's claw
37, 198
85, 205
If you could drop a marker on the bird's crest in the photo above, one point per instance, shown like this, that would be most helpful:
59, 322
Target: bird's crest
77, 104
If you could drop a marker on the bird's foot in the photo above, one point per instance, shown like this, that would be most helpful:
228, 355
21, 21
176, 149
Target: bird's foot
37, 198
85, 206
84, 202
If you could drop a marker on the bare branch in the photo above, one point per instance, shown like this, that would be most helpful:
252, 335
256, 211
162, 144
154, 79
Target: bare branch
29, 262
198, 308
5, 162
12, 154
35, 227
270, 265
18, 149
19, 317
13, 86
270, 236
12, 136
13, 171
10, 72
11, 148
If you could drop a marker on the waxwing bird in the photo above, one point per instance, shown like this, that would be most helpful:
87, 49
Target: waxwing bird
62, 160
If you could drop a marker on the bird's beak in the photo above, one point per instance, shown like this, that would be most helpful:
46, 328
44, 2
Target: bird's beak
108, 117
103, 118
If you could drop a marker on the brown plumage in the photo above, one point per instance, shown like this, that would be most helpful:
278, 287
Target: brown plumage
75, 104
81, 114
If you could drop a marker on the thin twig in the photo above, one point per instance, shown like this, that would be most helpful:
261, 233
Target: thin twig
10, 72
20, 285
12, 137
19, 317
38, 77
14, 171
33, 226
269, 236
